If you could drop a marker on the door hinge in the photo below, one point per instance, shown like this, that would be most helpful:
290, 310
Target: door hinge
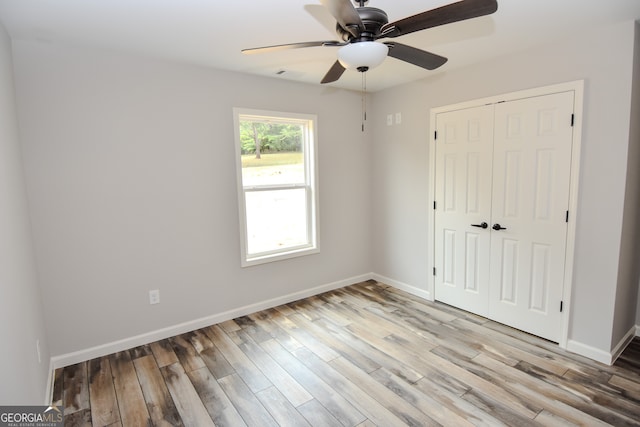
435, 134
573, 116
560, 306
434, 271
566, 218
434, 205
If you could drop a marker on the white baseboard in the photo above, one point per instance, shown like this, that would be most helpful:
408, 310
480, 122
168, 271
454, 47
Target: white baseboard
599, 355
624, 342
422, 293
48, 396
588, 351
149, 337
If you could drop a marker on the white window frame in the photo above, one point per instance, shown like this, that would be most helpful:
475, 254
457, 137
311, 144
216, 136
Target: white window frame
310, 185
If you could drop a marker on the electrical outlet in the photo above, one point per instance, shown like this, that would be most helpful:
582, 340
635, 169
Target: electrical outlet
398, 118
154, 296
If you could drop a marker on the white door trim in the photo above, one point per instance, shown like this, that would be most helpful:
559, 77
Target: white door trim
578, 88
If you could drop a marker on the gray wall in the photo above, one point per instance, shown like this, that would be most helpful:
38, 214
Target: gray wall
629, 270
634, 142
23, 378
604, 59
130, 168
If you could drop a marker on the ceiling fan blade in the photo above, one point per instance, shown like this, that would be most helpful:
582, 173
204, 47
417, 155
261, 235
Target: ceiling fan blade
415, 56
334, 73
346, 15
322, 15
274, 48
454, 12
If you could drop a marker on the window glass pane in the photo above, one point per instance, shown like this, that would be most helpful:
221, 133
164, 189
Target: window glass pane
276, 220
272, 153
273, 169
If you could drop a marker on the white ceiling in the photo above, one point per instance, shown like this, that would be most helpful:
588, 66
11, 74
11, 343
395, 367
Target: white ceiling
212, 32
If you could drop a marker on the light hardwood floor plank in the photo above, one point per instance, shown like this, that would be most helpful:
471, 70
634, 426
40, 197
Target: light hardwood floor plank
279, 377
281, 409
162, 409
323, 351
75, 388
140, 351
253, 329
424, 402
357, 396
220, 408
388, 398
319, 330
104, 405
216, 362
317, 415
266, 320
80, 418
555, 400
377, 356
186, 353
131, 403
199, 340
499, 409
163, 352
454, 402
186, 398
626, 387
325, 394
246, 402
244, 366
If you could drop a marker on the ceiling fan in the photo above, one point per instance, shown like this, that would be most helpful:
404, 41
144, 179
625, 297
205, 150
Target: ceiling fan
360, 28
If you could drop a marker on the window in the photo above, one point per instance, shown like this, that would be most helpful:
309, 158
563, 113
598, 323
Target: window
277, 195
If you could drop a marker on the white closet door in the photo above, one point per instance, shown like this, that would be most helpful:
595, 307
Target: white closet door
464, 145
531, 177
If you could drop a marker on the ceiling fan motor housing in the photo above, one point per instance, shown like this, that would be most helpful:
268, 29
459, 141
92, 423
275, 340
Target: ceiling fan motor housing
372, 18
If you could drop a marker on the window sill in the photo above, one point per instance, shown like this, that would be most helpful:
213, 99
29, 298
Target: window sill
267, 258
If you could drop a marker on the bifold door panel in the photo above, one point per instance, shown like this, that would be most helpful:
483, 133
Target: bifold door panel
506, 165
464, 164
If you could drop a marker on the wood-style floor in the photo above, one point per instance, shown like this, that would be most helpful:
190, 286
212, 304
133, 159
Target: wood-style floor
363, 355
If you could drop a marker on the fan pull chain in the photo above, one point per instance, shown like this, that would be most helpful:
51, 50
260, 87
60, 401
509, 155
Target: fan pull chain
364, 99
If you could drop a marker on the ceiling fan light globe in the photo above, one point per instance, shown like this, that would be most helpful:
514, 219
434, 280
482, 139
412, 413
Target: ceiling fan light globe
362, 55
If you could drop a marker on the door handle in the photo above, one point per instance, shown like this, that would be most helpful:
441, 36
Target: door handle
482, 225
498, 227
